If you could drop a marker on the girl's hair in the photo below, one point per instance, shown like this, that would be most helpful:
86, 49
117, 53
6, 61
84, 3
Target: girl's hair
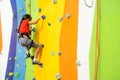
25, 17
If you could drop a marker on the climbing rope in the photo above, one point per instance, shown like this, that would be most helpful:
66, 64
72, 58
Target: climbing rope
97, 46
90, 6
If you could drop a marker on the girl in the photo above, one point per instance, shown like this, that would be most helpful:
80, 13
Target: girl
24, 38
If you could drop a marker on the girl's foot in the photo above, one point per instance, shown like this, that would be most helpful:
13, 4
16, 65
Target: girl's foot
27, 55
38, 63
42, 45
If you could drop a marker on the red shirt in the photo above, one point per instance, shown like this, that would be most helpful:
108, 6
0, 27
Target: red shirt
24, 27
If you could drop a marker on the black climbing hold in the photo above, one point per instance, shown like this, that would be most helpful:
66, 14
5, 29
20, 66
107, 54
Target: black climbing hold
39, 10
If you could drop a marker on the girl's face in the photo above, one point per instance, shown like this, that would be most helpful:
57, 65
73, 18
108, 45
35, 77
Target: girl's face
30, 19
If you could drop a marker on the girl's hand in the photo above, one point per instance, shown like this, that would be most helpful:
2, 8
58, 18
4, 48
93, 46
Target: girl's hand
40, 16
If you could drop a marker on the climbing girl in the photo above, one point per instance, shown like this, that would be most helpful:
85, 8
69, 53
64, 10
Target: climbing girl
24, 36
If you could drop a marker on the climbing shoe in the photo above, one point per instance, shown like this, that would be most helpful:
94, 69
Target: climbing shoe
42, 45
32, 57
27, 55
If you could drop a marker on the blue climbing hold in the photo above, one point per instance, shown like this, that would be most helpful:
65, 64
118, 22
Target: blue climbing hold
41, 65
43, 17
33, 79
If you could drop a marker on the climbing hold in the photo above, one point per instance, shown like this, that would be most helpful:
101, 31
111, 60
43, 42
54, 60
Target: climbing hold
11, 74
41, 65
78, 62
49, 24
25, 66
43, 17
10, 59
58, 76
16, 30
54, 1
15, 58
68, 15
21, 9
29, 5
39, 10
59, 53
16, 75
19, 50
60, 19
17, 65
52, 53
33, 79
7, 79
34, 30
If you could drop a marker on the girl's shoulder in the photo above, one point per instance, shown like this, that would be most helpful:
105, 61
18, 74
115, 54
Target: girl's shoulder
25, 21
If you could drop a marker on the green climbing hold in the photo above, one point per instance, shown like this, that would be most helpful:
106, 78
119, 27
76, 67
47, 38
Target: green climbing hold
58, 76
16, 75
54, 1
15, 58
34, 30
11, 74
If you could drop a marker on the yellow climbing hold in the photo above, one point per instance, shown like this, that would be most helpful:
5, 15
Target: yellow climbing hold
11, 74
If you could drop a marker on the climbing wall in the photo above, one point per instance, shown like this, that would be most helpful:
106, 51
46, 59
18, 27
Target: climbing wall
76, 47
49, 31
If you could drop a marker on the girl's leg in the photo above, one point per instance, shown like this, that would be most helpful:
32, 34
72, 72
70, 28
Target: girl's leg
36, 54
38, 47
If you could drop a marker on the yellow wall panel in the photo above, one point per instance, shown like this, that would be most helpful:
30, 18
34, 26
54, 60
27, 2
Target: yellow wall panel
50, 37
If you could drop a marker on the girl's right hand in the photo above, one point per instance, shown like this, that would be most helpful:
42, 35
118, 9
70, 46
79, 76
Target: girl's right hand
40, 16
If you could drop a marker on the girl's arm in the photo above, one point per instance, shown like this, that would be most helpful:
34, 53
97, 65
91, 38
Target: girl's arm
35, 21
